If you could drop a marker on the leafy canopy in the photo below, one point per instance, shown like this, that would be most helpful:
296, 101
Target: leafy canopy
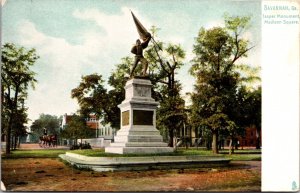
16, 77
220, 79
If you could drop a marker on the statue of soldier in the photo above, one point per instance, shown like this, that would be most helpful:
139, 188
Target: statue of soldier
137, 49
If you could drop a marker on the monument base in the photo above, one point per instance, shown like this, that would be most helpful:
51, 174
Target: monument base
138, 150
138, 133
138, 140
101, 164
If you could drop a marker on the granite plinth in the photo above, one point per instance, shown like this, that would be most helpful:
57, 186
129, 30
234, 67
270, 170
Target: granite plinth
143, 162
138, 133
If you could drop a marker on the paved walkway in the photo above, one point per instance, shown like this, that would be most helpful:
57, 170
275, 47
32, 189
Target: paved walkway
37, 146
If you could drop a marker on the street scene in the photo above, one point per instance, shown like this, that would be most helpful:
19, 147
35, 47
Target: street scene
131, 96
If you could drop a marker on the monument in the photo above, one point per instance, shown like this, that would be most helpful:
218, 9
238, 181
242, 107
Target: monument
138, 133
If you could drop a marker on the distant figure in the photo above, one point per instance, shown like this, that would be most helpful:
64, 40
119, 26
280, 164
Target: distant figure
45, 131
137, 49
199, 141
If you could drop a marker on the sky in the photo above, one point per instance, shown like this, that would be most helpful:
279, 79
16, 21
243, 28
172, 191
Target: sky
81, 37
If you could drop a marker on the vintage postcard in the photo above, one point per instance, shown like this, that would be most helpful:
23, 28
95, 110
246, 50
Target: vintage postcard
162, 95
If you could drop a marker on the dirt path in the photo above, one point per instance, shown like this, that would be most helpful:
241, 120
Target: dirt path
44, 174
27, 146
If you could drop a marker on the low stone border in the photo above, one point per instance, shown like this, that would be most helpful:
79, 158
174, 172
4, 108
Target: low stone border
2, 187
143, 163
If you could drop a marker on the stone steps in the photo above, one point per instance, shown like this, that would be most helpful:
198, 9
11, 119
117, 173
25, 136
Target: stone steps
139, 144
138, 150
138, 138
139, 132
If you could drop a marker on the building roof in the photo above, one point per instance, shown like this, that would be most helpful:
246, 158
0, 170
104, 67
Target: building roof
92, 122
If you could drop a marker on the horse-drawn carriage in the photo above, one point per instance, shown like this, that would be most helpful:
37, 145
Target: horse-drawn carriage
48, 141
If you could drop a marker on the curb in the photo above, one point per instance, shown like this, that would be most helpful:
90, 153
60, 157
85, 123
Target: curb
2, 186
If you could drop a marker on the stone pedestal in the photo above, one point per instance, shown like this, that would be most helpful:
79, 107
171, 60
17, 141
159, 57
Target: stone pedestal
138, 133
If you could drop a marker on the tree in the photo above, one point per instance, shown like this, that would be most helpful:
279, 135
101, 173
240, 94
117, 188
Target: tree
217, 51
164, 63
50, 122
171, 114
16, 78
94, 98
116, 95
252, 111
19, 128
77, 129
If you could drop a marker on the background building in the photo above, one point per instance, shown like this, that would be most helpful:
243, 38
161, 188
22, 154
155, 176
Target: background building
102, 134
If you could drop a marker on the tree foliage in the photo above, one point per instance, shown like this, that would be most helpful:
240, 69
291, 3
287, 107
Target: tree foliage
93, 97
50, 122
16, 78
90, 95
171, 114
219, 97
77, 129
165, 60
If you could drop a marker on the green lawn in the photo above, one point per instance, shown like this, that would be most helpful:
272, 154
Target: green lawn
247, 155
43, 153
240, 151
101, 153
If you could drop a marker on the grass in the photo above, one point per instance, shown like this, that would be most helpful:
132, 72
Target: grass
101, 153
244, 157
236, 157
242, 151
239, 155
43, 153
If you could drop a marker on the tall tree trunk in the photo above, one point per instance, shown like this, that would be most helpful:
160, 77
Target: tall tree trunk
13, 108
215, 141
15, 142
230, 144
258, 143
8, 137
19, 142
258, 139
12, 142
8, 133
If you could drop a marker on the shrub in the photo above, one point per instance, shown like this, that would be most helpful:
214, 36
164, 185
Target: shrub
81, 146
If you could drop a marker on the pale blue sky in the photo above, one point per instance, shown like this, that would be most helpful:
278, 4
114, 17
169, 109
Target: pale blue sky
80, 37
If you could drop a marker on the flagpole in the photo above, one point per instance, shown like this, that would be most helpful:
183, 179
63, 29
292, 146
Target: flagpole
156, 43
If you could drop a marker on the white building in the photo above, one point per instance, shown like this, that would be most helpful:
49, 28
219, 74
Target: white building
103, 134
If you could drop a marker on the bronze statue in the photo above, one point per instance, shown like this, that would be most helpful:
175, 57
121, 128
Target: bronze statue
137, 49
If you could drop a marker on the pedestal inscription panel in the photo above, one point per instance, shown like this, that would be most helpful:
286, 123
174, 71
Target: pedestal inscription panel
141, 117
125, 118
